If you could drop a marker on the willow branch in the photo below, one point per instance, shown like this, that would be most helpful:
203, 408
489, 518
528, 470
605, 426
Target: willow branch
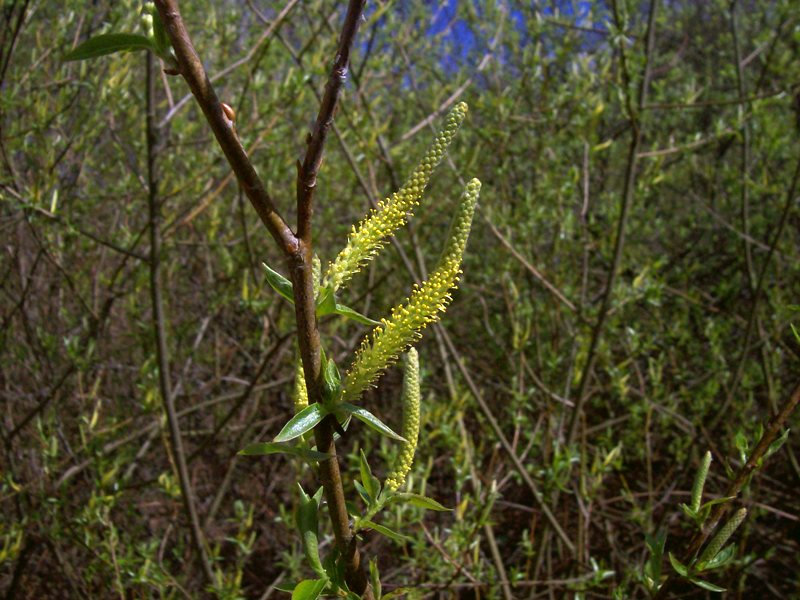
305, 306
192, 70
298, 250
774, 427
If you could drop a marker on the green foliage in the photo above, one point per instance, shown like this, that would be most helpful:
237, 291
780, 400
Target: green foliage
548, 137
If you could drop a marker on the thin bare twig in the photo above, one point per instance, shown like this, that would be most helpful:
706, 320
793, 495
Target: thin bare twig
160, 332
627, 200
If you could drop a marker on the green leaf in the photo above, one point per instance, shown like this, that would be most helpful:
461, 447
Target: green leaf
327, 305
652, 567
309, 589
776, 445
348, 312
331, 381
375, 578
363, 493
108, 43
740, 441
418, 500
656, 544
263, 448
706, 508
688, 511
308, 524
302, 422
393, 535
706, 585
369, 419
679, 567
279, 283
722, 558
370, 483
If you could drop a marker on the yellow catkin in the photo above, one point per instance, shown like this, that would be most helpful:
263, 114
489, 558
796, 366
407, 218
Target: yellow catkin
300, 393
395, 334
410, 431
366, 239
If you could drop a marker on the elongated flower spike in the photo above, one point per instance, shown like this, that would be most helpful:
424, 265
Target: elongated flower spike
700, 482
395, 334
723, 535
300, 393
410, 431
366, 239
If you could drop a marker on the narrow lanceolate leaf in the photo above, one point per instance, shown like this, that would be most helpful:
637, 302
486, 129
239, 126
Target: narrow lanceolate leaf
264, 448
424, 306
369, 482
308, 524
366, 417
706, 585
109, 43
419, 501
349, 313
679, 567
302, 422
382, 529
327, 305
366, 239
279, 283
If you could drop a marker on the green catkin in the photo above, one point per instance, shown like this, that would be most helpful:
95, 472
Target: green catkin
366, 239
700, 482
723, 535
395, 334
147, 19
410, 431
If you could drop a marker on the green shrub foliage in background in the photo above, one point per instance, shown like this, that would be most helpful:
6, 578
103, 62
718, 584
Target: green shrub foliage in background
628, 301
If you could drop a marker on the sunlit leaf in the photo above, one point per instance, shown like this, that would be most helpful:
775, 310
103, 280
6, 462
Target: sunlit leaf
279, 283
302, 422
419, 501
369, 419
393, 535
264, 448
109, 43
309, 589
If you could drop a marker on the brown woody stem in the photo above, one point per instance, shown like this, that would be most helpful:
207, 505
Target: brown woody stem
297, 249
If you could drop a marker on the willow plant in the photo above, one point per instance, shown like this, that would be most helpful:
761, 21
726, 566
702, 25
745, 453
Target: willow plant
325, 402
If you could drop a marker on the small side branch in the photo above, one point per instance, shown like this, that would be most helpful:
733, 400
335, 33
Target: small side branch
307, 173
192, 70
